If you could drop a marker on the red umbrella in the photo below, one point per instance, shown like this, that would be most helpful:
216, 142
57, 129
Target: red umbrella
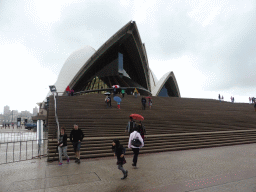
148, 97
137, 117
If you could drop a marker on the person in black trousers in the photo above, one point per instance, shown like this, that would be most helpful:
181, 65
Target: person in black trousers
143, 101
119, 152
135, 135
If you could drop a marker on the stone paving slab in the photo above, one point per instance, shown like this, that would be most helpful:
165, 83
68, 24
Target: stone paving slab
230, 168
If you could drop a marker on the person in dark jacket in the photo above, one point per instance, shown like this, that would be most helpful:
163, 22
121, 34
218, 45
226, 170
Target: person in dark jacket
143, 101
141, 130
119, 152
62, 145
76, 137
130, 126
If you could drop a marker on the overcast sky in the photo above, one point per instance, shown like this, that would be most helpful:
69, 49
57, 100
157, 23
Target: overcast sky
209, 45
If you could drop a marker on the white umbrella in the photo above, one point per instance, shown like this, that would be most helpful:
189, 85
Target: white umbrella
115, 86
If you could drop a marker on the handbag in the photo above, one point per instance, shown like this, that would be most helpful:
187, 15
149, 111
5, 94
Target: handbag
136, 142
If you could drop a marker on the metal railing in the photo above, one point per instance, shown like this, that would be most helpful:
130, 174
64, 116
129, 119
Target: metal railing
111, 90
106, 89
11, 152
19, 136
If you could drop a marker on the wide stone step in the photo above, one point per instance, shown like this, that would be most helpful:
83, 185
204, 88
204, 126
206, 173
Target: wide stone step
83, 155
199, 120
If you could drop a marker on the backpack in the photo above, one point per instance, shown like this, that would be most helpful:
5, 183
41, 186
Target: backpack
136, 142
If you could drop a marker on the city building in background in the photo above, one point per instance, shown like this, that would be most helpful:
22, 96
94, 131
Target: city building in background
10, 116
35, 111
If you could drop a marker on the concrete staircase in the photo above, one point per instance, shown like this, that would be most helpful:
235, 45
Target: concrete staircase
171, 124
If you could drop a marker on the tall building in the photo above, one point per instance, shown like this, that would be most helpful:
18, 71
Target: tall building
35, 111
1, 119
7, 110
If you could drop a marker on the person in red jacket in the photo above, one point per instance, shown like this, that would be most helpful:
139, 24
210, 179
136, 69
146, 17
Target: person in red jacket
68, 91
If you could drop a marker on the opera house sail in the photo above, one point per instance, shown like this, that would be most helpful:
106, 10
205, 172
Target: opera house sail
121, 60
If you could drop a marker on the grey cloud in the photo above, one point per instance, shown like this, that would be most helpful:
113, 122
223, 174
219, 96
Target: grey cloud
225, 49
91, 23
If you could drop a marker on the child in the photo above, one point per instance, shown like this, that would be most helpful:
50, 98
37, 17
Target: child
62, 145
149, 102
119, 153
118, 105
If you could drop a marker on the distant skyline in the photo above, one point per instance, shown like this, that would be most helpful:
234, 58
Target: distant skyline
209, 45
31, 111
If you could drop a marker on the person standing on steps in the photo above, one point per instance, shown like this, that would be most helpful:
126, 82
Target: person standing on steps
150, 103
135, 92
135, 142
141, 130
123, 92
130, 126
143, 101
119, 152
76, 137
72, 92
62, 145
67, 91
114, 91
107, 101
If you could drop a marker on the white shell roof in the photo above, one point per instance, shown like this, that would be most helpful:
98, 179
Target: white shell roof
156, 89
153, 80
72, 65
79, 57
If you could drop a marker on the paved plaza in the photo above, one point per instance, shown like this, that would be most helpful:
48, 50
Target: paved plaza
230, 168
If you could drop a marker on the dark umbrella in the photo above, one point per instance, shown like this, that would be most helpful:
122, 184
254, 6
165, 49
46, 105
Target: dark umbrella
137, 117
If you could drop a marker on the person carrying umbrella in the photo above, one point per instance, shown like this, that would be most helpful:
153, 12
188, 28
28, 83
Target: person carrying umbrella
118, 100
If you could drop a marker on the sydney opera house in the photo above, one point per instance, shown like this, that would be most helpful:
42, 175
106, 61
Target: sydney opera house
121, 60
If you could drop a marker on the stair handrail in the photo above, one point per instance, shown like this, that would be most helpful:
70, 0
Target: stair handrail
56, 116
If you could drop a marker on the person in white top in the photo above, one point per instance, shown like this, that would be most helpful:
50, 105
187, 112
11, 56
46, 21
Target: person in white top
135, 135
